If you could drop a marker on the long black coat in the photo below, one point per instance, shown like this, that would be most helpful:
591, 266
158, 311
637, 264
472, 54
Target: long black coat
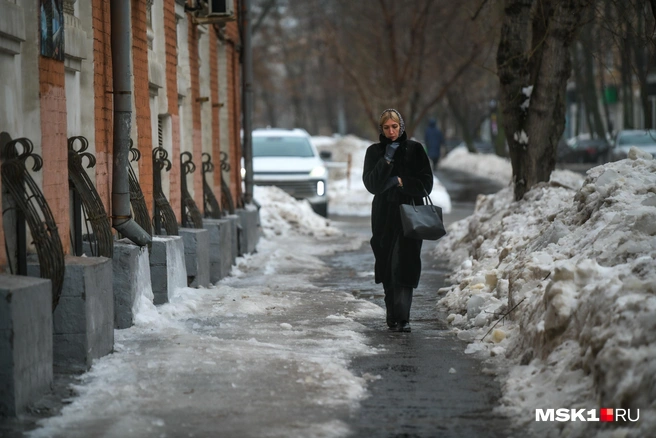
412, 165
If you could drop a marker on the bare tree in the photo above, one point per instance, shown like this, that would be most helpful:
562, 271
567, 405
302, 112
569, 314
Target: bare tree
533, 65
404, 54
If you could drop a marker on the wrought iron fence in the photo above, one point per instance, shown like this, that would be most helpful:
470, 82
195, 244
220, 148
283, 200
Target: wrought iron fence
191, 216
29, 206
164, 214
137, 201
87, 204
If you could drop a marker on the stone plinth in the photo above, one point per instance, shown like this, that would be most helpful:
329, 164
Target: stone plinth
167, 267
25, 341
197, 256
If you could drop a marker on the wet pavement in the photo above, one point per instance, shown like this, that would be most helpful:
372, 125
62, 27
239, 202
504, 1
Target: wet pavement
425, 385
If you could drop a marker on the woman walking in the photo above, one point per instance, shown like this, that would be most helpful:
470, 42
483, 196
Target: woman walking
396, 171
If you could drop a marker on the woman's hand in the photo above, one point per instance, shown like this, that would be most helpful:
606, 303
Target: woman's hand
390, 150
400, 182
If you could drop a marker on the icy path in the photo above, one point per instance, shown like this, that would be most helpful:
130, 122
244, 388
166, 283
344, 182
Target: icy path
263, 353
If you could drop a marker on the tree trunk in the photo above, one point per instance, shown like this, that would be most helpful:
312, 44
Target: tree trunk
590, 86
627, 77
499, 138
641, 69
533, 132
462, 123
609, 122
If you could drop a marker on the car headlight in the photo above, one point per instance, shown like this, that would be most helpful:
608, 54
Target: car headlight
321, 188
318, 172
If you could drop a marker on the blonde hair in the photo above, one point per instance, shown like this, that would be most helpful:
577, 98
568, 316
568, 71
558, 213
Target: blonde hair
389, 114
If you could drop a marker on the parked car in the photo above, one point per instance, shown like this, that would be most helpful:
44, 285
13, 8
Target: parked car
640, 138
564, 153
588, 150
287, 159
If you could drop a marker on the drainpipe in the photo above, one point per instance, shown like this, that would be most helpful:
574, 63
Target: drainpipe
121, 216
247, 99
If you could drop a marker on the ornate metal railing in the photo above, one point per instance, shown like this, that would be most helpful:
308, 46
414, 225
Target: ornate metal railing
227, 203
30, 206
191, 216
164, 214
212, 207
137, 201
87, 202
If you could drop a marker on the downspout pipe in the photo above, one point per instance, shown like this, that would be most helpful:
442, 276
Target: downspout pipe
247, 100
121, 216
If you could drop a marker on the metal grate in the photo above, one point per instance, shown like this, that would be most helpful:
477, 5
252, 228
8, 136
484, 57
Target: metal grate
101, 240
297, 189
191, 216
137, 200
212, 208
30, 206
227, 202
164, 214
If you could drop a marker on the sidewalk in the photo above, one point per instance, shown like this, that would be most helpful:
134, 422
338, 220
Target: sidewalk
264, 353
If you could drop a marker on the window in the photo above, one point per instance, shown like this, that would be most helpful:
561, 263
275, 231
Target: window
282, 147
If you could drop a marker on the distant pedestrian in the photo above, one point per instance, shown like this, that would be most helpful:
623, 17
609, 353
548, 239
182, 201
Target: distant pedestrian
396, 171
434, 139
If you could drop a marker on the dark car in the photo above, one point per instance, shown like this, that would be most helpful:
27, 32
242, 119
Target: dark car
564, 153
593, 150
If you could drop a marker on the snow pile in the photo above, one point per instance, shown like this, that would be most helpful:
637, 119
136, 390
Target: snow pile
281, 214
347, 194
487, 165
577, 266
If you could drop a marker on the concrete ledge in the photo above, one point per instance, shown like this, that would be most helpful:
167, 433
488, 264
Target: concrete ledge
131, 266
167, 267
250, 225
25, 341
83, 322
197, 256
220, 250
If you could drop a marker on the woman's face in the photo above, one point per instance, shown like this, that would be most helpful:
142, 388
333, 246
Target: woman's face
391, 129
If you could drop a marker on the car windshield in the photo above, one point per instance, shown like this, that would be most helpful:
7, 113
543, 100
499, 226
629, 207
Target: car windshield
639, 138
276, 146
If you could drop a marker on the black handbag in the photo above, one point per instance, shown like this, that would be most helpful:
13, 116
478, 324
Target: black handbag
422, 222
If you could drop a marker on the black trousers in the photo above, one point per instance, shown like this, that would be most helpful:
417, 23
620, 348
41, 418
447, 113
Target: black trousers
398, 298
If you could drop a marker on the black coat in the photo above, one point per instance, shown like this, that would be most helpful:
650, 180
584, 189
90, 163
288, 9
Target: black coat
412, 165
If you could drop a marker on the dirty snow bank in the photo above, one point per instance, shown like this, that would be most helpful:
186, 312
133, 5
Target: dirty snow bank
577, 258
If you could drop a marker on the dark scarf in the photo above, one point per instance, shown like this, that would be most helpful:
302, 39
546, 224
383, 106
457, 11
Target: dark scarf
385, 141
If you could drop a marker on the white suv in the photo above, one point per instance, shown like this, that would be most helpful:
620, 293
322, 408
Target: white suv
287, 159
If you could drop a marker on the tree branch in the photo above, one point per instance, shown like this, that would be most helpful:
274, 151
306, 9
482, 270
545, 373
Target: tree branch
480, 7
267, 7
445, 87
358, 87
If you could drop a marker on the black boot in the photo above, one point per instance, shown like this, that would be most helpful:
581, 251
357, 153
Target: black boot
389, 307
403, 326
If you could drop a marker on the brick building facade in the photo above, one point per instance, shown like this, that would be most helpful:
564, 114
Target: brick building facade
186, 96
